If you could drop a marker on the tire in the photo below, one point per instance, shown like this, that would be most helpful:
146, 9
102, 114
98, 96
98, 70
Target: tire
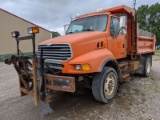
101, 83
147, 66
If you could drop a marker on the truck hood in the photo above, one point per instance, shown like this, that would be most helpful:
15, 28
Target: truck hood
75, 38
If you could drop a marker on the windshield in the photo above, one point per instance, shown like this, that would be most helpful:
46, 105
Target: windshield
94, 23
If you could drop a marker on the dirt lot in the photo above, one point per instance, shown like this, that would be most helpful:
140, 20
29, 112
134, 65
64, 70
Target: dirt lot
139, 99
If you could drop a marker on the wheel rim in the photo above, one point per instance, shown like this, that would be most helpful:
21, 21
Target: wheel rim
109, 85
148, 67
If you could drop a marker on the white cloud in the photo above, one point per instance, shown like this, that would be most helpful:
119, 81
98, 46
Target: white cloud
58, 29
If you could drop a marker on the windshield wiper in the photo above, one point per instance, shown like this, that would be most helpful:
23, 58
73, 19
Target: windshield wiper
87, 30
69, 32
80, 31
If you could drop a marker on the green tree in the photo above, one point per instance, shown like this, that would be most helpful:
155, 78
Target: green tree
55, 34
148, 18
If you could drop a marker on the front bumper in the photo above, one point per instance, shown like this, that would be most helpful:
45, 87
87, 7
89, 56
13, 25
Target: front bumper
59, 83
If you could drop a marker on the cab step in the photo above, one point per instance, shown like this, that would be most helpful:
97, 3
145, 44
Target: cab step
125, 78
123, 64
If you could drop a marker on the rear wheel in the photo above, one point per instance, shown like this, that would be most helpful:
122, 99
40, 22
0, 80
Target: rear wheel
147, 67
104, 85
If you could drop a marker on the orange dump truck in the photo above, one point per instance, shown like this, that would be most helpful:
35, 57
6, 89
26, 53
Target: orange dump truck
99, 50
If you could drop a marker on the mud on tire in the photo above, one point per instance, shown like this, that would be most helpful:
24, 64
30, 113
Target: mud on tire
104, 85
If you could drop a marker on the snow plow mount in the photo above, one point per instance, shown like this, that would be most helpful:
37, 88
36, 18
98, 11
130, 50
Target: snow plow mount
36, 84
33, 80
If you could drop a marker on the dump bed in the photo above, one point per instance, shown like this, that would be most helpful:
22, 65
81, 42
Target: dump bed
145, 42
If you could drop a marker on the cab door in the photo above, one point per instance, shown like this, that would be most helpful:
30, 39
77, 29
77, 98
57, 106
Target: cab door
117, 43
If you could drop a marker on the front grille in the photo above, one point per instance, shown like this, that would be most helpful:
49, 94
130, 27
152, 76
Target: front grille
55, 65
55, 52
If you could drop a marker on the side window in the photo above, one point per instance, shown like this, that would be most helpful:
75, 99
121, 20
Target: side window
114, 26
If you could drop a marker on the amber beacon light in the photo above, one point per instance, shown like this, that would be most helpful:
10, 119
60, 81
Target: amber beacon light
33, 30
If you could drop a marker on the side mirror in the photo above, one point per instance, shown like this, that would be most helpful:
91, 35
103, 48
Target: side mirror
123, 31
123, 25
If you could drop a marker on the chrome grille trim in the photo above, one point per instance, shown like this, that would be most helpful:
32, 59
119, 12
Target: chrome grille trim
55, 65
56, 53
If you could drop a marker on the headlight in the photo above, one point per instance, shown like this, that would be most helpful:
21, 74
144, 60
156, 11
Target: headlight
78, 67
33, 30
15, 34
84, 67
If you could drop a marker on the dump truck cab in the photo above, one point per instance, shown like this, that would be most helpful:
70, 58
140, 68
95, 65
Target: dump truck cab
96, 35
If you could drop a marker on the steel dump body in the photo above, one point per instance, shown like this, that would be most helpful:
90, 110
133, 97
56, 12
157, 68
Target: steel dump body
145, 42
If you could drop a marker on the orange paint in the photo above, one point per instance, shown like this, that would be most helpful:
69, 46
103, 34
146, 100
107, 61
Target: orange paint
84, 44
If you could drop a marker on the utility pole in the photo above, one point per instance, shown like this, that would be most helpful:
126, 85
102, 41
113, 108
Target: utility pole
134, 4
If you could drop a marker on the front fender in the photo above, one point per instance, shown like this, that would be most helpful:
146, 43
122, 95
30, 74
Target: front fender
94, 58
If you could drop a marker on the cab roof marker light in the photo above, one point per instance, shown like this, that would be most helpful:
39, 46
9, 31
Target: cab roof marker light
100, 10
78, 15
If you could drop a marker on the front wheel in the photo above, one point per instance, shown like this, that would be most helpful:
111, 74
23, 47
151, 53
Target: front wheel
104, 85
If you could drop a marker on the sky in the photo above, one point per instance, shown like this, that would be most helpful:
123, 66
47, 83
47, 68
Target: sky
53, 14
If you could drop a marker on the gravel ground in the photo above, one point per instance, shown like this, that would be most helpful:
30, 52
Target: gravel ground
138, 99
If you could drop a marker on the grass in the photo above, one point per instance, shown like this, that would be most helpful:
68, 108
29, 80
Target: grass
156, 60
3, 57
157, 52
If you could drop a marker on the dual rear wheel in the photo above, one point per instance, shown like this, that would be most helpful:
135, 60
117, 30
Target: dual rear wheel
147, 66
